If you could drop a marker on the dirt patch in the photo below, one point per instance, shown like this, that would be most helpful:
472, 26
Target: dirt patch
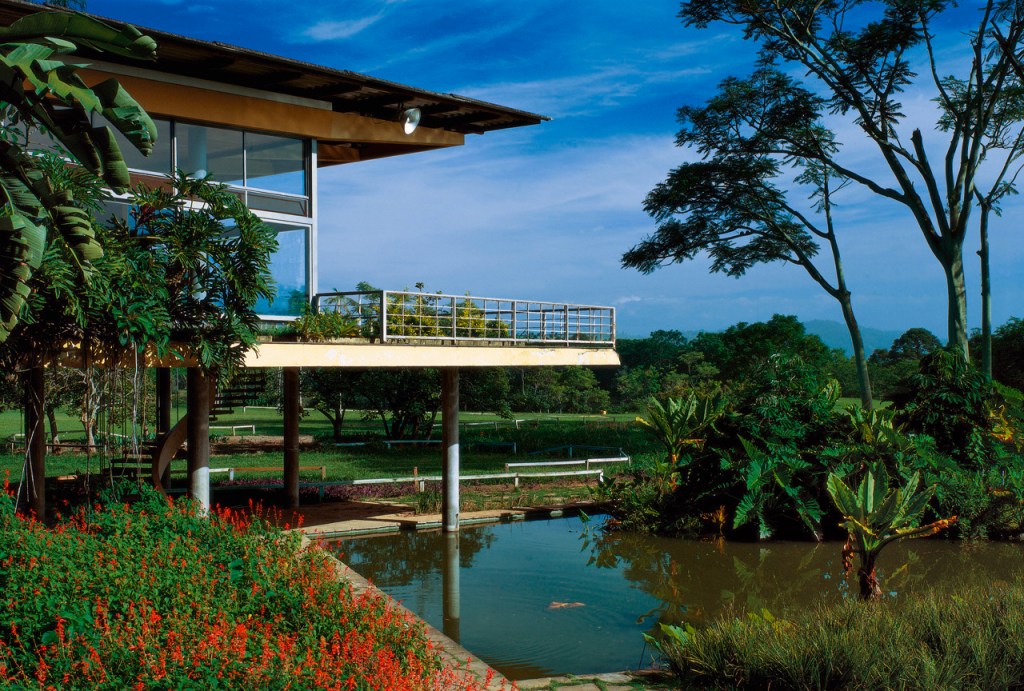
258, 442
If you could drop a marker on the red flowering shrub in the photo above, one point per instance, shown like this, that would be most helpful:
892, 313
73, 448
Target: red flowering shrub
155, 596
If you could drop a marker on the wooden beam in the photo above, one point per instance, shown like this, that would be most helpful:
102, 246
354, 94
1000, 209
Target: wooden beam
291, 436
35, 440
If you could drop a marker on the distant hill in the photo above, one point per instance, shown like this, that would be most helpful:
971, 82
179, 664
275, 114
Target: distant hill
836, 335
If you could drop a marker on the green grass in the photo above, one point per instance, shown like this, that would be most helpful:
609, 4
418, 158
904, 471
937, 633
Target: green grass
375, 461
971, 639
846, 401
268, 421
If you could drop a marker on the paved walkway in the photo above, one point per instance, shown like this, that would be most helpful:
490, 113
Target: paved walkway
340, 519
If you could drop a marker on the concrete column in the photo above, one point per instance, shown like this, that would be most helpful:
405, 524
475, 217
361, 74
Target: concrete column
291, 436
451, 606
35, 440
450, 444
199, 384
163, 413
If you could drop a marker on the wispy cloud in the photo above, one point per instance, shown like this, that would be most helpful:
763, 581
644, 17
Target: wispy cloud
337, 30
582, 94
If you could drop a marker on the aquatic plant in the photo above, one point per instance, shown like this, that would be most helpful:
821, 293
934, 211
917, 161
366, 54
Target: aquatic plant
875, 516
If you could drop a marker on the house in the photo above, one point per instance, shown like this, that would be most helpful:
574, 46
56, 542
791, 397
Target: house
266, 125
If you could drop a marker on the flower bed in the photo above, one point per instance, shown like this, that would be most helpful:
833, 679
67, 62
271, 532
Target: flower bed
153, 595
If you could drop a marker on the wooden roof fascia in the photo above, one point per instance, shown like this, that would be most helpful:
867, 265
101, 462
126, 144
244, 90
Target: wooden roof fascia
233, 65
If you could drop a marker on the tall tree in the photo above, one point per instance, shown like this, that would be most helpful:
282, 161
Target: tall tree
732, 204
862, 56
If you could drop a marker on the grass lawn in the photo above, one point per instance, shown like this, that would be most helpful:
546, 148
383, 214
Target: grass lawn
374, 460
268, 421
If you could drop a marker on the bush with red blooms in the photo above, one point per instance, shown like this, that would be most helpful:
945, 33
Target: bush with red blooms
153, 595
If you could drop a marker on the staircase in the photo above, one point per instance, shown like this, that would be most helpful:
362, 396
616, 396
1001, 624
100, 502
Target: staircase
240, 392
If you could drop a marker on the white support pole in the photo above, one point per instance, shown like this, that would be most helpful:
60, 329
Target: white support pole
199, 395
450, 443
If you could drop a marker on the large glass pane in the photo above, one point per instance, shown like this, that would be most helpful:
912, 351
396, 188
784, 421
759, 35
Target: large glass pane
212, 150
288, 268
262, 201
275, 163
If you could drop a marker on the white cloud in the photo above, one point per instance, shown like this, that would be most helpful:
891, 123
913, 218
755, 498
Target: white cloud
582, 94
336, 30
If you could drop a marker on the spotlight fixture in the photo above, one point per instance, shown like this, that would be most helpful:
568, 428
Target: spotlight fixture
410, 119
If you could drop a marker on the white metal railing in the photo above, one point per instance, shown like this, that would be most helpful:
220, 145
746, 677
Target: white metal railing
390, 316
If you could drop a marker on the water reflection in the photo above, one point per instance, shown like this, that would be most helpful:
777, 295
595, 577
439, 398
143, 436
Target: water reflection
450, 577
551, 597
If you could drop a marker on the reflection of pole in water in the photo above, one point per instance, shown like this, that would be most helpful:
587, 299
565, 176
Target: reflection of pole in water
450, 576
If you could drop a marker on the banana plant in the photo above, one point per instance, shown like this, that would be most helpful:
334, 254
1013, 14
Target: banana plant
876, 515
678, 423
41, 95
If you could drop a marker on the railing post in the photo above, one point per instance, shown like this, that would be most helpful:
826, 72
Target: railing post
383, 316
515, 331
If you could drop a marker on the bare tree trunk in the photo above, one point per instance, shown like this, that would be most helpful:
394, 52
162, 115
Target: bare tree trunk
859, 357
956, 290
339, 419
51, 417
986, 298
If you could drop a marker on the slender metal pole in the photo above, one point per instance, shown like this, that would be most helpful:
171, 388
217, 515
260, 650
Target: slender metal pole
198, 383
291, 436
35, 440
450, 443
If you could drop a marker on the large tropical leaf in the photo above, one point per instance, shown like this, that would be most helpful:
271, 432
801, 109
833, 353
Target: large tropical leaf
41, 93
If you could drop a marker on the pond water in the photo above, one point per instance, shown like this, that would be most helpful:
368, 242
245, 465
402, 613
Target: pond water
560, 596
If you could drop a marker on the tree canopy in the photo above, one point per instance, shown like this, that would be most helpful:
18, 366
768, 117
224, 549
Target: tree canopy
858, 58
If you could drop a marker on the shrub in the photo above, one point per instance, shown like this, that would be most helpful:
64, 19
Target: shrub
155, 595
952, 402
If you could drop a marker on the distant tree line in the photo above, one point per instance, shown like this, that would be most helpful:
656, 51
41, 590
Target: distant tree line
665, 364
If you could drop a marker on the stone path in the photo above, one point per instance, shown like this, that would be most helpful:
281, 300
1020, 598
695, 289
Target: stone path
617, 681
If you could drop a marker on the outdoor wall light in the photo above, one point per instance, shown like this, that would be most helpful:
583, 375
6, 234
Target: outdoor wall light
410, 119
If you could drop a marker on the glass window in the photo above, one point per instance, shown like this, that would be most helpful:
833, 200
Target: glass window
157, 162
261, 201
212, 150
275, 164
288, 269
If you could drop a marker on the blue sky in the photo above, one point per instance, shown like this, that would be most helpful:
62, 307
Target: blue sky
546, 212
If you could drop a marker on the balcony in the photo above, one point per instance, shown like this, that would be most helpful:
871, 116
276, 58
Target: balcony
388, 328
390, 316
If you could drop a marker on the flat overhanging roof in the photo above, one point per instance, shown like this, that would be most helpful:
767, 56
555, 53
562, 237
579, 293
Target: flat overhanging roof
345, 91
358, 356
274, 355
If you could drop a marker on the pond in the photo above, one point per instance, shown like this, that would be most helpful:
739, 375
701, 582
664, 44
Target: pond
560, 596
